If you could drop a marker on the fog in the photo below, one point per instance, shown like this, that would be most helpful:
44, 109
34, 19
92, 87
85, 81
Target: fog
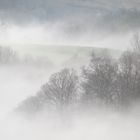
99, 126
21, 81
77, 23
60, 34
45, 39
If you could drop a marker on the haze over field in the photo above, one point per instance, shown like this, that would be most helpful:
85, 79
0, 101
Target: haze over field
69, 69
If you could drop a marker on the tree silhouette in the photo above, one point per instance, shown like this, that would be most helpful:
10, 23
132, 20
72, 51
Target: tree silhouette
58, 93
100, 79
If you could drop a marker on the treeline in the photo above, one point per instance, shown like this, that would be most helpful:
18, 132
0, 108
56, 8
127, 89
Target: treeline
105, 82
8, 56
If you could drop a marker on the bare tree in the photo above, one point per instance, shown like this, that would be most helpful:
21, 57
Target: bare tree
31, 105
59, 92
136, 43
129, 77
100, 79
61, 88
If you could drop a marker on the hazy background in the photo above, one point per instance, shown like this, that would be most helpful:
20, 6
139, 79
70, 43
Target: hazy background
61, 30
100, 23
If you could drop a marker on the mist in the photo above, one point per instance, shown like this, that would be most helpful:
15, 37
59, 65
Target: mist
76, 23
20, 81
98, 125
69, 69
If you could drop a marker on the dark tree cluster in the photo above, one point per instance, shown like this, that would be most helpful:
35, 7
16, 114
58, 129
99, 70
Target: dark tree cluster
105, 81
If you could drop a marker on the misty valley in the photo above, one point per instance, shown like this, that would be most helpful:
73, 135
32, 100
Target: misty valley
87, 93
69, 70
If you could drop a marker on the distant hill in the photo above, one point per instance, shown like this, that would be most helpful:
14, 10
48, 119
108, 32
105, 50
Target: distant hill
65, 54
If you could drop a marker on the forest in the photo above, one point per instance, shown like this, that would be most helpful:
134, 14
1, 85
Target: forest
105, 82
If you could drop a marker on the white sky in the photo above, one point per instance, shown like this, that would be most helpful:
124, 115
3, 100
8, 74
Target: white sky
46, 34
